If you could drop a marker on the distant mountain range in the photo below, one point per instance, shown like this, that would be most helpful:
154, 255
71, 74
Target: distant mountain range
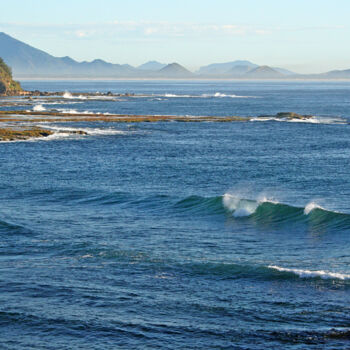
152, 66
29, 62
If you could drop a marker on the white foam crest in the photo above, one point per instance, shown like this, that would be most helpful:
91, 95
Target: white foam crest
67, 94
221, 95
98, 97
310, 207
59, 102
73, 111
263, 119
89, 131
174, 95
244, 207
239, 207
312, 120
54, 136
312, 274
39, 108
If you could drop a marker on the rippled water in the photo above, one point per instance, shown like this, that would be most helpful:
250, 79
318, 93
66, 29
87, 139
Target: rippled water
177, 235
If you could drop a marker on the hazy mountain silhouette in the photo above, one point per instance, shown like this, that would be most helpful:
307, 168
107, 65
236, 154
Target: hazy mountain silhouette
175, 70
27, 61
263, 72
152, 66
226, 68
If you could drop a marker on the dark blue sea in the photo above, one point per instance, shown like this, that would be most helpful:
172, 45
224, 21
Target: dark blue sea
174, 235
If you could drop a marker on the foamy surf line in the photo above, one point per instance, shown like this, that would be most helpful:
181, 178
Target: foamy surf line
69, 96
214, 95
245, 207
312, 274
313, 120
88, 131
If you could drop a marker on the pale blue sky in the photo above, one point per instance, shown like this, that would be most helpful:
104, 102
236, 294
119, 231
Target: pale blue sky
303, 35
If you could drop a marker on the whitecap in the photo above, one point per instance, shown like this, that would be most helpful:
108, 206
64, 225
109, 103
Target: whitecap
310, 207
67, 94
312, 120
88, 131
312, 274
243, 207
39, 108
239, 207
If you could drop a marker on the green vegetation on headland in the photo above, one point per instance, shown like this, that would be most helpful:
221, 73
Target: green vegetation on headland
7, 85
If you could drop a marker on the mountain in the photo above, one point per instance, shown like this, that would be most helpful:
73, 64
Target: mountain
284, 71
7, 85
152, 66
263, 72
227, 67
337, 74
239, 70
26, 60
174, 70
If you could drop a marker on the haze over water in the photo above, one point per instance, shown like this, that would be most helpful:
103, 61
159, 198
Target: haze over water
174, 235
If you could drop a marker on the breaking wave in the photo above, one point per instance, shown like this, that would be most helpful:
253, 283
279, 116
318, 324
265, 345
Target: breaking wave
311, 274
312, 120
88, 131
222, 95
267, 272
39, 108
213, 95
68, 95
73, 111
265, 211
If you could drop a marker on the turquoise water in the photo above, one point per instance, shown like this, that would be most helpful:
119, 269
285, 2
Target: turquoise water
177, 235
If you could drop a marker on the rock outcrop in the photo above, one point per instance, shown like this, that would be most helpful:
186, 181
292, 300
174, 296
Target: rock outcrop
7, 85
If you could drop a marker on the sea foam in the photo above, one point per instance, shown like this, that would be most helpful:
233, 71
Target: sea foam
310, 207
39, 108
312, 274
243, 207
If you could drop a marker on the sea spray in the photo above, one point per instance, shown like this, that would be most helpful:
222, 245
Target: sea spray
310, 207
39, 108
68, 95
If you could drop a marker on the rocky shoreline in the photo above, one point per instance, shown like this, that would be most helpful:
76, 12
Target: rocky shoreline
13, 120
37, 93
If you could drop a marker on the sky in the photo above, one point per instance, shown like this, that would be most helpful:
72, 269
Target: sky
306, 36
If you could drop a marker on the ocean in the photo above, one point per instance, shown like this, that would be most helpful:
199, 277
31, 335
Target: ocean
180, 235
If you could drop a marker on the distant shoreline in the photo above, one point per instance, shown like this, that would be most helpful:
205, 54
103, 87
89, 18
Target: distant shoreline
177, 79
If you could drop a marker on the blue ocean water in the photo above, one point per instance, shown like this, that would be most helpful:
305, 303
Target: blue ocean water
175, 235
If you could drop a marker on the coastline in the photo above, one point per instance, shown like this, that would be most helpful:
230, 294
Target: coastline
12, 128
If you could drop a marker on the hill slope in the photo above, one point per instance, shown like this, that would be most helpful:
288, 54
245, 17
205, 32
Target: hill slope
174, 70
263, 72
152, 66
7, 85
227, 67
26, 60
